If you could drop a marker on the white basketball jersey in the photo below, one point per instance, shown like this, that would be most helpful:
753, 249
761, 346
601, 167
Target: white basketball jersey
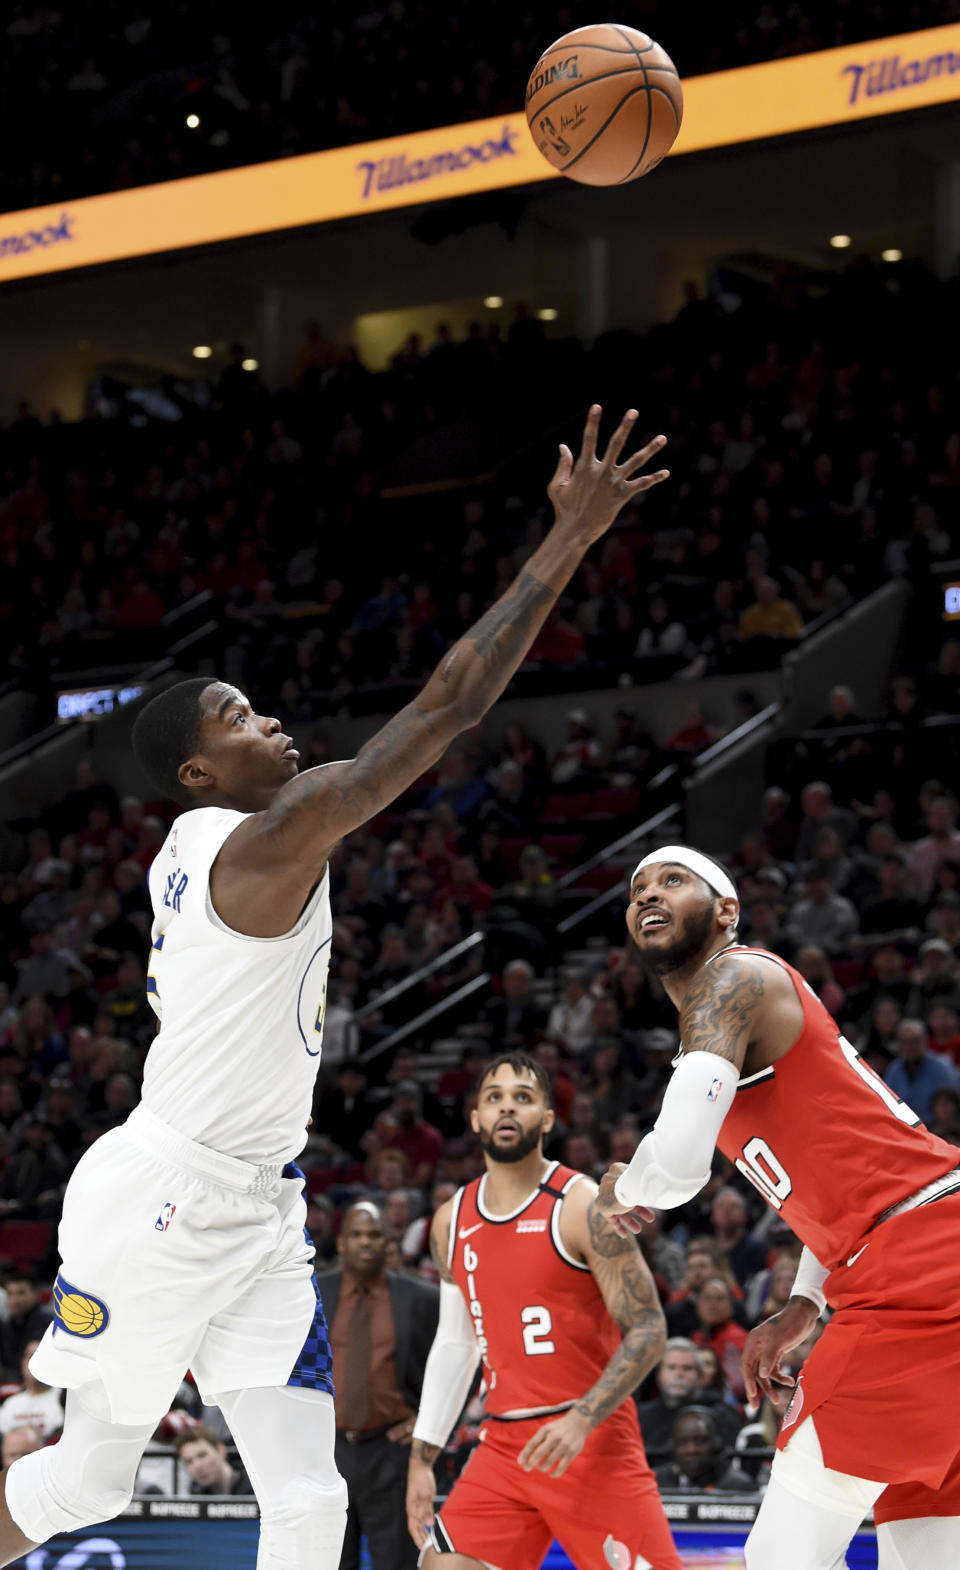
241, 1018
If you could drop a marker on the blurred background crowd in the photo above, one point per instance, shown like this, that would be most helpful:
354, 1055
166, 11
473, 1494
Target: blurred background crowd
814, 443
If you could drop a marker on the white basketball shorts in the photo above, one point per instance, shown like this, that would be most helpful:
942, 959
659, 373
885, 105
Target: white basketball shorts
176, 1257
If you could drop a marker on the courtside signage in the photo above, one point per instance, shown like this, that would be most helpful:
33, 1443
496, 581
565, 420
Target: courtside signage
833, 87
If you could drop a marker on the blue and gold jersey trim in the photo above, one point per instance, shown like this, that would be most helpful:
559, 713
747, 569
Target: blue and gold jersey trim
78, 1313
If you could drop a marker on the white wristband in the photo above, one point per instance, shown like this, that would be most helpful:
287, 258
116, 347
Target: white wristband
809, 1280
673, 1162
451, 1365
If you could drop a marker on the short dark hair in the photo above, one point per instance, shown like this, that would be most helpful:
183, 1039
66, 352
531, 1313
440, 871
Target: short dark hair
21, 1274
166, 732
518, 1061
198, 1431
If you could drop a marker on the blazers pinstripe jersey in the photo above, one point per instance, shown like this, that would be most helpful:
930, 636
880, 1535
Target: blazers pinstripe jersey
241, 1018
544, 1331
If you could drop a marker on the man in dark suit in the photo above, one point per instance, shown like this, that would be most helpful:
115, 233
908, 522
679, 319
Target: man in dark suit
382, 1325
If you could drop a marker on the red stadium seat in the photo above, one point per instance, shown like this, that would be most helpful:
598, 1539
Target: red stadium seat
564, 809
564, 848
600, 878
613, 803
23, 1242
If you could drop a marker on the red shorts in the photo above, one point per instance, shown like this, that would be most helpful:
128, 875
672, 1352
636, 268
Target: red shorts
604, 1510
883, 1382
913, 1501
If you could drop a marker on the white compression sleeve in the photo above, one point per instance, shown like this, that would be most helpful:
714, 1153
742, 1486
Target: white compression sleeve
673, 1162
450, 1368
809, 1280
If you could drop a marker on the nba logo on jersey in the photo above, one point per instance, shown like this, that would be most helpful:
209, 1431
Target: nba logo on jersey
165, 1217
173, 840
714, 1090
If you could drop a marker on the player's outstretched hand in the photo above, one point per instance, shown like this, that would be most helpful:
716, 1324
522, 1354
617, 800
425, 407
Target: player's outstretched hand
767, 1345
555, 1444
588, 493
421, 1488
624, 1219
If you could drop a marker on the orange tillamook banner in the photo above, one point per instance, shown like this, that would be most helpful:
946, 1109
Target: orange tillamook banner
835, 86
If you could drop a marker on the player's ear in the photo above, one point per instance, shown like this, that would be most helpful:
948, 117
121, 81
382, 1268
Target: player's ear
729, 913
194, 773
549, 1119
474, 1120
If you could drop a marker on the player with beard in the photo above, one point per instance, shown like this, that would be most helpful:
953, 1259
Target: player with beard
764, 1074
564, 1316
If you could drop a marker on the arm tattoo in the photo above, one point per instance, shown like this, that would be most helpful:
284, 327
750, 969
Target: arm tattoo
503, 632
719, 1010
438, 1253
421, 1451
632, 1303
603, 1240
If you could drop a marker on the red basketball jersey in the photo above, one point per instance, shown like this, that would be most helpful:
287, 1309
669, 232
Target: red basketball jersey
824, 1139
543, 1327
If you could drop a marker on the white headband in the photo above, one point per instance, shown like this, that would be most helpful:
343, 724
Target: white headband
713, 876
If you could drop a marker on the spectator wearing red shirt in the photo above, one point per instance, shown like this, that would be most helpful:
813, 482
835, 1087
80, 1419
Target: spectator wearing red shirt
694, 734
465, 883
153, 832
141, 606
719, 1330
558, 643
402, 1128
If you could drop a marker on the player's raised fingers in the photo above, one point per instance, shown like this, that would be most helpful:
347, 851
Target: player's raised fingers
645, 482
639, 459
615, 444
588, 447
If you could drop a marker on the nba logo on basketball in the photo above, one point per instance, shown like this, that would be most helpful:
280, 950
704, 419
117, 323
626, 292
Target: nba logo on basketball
165, 1217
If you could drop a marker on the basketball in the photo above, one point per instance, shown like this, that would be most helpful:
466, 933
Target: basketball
604, 104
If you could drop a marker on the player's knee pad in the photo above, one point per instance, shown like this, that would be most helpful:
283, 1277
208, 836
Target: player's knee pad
47, 1496
304, 1523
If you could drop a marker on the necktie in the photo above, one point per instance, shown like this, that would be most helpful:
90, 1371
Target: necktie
356, 1400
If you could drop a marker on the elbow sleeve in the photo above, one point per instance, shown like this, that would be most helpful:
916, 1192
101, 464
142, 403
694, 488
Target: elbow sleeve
673, 1162
450, 1368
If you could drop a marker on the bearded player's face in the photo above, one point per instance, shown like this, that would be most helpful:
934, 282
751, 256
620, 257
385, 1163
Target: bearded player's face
671, 916
511, 1115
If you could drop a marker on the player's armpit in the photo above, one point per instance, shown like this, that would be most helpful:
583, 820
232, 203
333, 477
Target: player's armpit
723, 1008
632, 1302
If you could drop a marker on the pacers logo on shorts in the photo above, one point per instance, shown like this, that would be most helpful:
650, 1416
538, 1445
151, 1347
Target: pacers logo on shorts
78, 1313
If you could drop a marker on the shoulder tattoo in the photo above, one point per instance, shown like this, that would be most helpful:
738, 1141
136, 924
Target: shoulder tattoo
719, 1010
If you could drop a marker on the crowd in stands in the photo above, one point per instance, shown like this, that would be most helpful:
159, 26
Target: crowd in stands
95, 97
814, 446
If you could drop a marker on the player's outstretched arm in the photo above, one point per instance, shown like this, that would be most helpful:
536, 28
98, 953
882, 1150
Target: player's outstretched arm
448, 1377
630, 1295
312, 812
